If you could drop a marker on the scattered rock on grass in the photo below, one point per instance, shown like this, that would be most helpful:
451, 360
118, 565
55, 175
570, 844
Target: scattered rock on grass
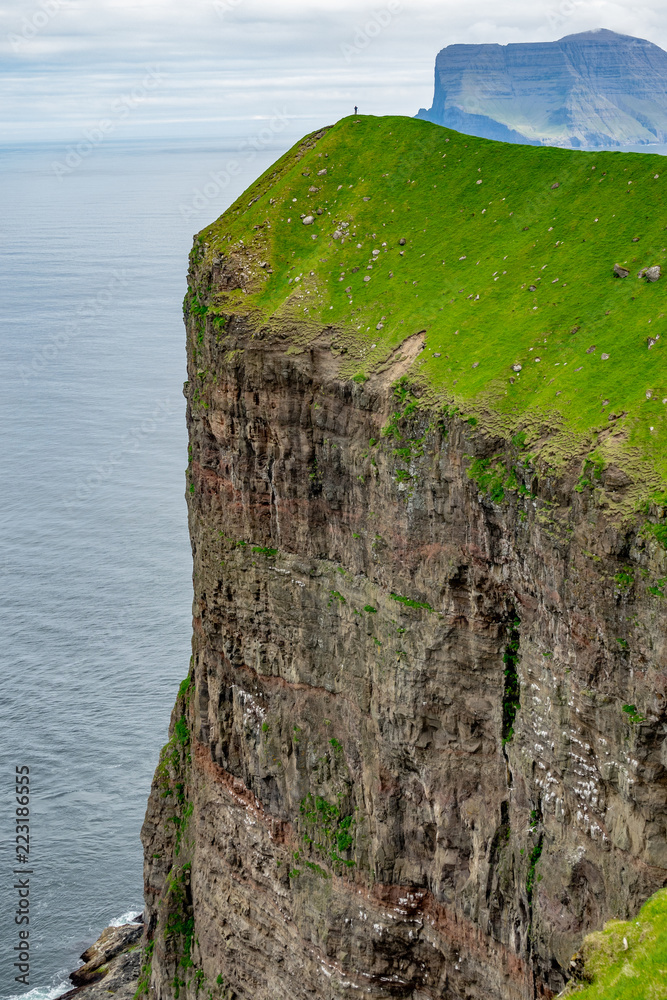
554, 186
651, 273
620, 272
402, 241
308, 220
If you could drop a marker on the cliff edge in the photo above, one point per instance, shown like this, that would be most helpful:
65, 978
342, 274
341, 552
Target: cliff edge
420, 750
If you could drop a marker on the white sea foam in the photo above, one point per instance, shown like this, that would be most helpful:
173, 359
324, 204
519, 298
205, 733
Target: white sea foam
59, 984
127, 918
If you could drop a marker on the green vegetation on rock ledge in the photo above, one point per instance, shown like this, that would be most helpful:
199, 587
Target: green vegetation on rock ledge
511, 695
144, 980
180, 920
500, 257
329, 831
628, 959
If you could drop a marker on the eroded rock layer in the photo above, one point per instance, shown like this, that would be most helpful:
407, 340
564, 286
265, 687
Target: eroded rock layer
420, 751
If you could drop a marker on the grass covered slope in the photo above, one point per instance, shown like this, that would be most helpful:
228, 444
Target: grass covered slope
507, 265
628, 959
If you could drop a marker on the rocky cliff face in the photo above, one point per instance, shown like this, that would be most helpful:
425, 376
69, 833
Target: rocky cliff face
593, 89
421, 748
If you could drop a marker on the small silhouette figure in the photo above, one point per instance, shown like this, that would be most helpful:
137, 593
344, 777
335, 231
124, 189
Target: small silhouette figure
356, 109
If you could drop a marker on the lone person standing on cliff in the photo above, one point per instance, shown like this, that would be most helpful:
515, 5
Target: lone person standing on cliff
356, 109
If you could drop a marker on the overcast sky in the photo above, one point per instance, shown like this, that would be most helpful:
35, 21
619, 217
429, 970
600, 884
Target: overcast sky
67, 64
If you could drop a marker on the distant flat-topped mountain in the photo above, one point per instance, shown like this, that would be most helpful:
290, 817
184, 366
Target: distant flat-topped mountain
597, 88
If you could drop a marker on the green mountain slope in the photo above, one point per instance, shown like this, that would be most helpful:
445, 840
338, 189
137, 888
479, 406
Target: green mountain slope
507, 267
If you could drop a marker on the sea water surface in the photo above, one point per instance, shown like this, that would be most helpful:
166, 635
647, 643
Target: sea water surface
96, 570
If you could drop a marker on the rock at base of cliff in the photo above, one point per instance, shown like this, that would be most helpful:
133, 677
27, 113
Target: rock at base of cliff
119, 980
112, 942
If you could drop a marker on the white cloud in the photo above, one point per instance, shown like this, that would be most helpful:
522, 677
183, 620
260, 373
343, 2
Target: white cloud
66, 62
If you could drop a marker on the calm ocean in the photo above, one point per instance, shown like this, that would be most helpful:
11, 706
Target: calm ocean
96, 571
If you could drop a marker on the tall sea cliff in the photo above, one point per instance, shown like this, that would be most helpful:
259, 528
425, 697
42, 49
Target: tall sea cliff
597, 88
420, 749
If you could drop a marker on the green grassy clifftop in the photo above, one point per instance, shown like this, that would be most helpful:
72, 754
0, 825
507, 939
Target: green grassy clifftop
628, 959
500, 256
